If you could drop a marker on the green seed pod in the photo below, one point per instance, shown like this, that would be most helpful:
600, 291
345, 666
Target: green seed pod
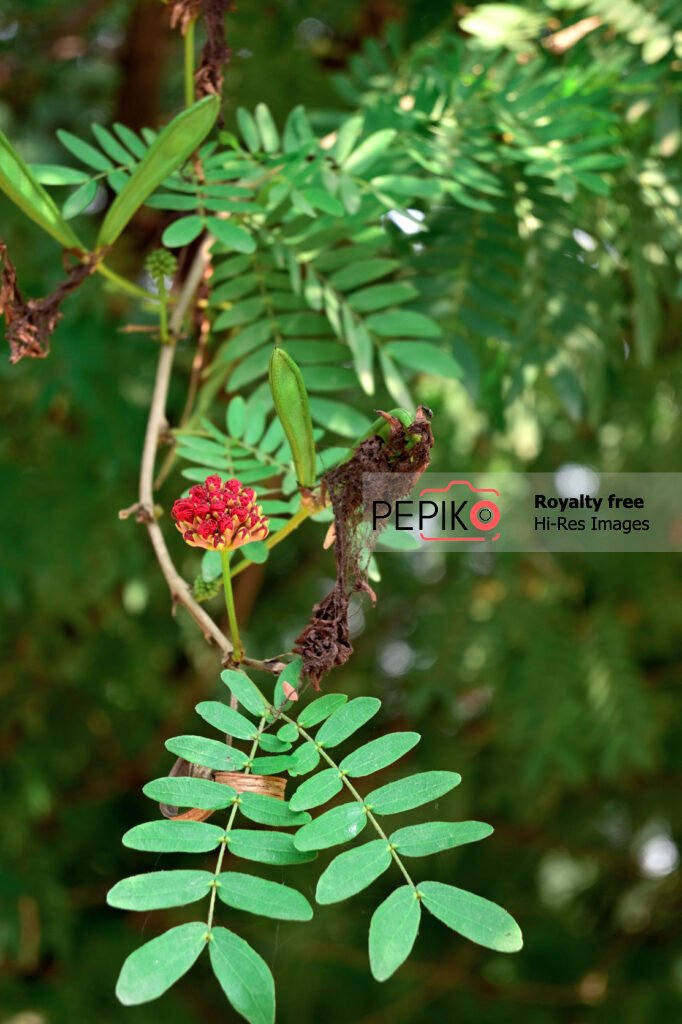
291, 402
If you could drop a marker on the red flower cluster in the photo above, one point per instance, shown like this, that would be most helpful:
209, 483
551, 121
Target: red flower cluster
220, 516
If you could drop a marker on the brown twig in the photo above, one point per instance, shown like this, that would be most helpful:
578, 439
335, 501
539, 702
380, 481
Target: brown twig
156, 426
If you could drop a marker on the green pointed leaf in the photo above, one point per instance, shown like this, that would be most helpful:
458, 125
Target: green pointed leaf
339, 825
379, 296
232, 235
226, 719
362, 272
189, 792
339, 418
414, 791
55, 174
434, 836
272, 744
379, 753
352, 871
422, 357
268, 810
173, 837
79, 200
168, 152
247, 126
392, 932
157, 890
244, 976
472, 916
153, 968
246, 691
84, 152
322, 200
403, 323
183, 231
288, 733
266, 847
362, 349
260, 896
347, 720
22, 188
369, 151
320, 709
317, 791
208, 753
267, 128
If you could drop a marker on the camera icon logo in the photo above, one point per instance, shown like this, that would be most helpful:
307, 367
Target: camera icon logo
473, 519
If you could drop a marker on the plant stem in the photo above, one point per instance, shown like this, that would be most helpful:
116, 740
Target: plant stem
228, 828
272, 541
353, 791
125, 286
238, 649
163, 312
189, 63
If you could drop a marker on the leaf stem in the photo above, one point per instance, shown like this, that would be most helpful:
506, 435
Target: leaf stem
238, 652
228, 828
357, 796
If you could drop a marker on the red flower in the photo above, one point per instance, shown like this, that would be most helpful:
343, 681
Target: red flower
220, 516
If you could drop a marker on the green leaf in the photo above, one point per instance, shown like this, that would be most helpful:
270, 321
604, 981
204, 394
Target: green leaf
369, 151
404, 323
169, 151
226, 719
362, 272
157, 890
379, 753
317, 791
79, 200
84, 152
256, 551
362, 349
268, 810
22, 188
414, 791
291, 677
304, 760
189, 792
247, 126
153, 968
341, 419
267, 128
381, 295
246, 691
183, 231
424, 358
244, 976
472, 916
55, 174
236, 417
352, 871
346, 720
434, 836
208, 753
320, 709
173, 837
271, 765
260, 896
266, 847
272, 744
392, 932
322, 200
232, 235
339, 825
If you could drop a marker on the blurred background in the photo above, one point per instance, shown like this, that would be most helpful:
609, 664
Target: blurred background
550, 682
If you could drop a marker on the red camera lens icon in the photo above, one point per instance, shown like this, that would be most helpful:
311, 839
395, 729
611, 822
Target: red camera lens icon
458, 513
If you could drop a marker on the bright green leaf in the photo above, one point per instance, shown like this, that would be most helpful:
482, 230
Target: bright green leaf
153, 968
157, 890
246, 691
266, 847
260, 896
189, 792
320, 709
403, 323
352, 871
317, 791
339, 825
346, 720
232, 235
268, 810
414, 791
244, 976
392, 932
422, 357
173, 837
226, 719
20, 185
434, 836
183, 231
208, 753
379, 753
472, 916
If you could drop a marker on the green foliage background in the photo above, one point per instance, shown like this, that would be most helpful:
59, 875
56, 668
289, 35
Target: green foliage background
550, 683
